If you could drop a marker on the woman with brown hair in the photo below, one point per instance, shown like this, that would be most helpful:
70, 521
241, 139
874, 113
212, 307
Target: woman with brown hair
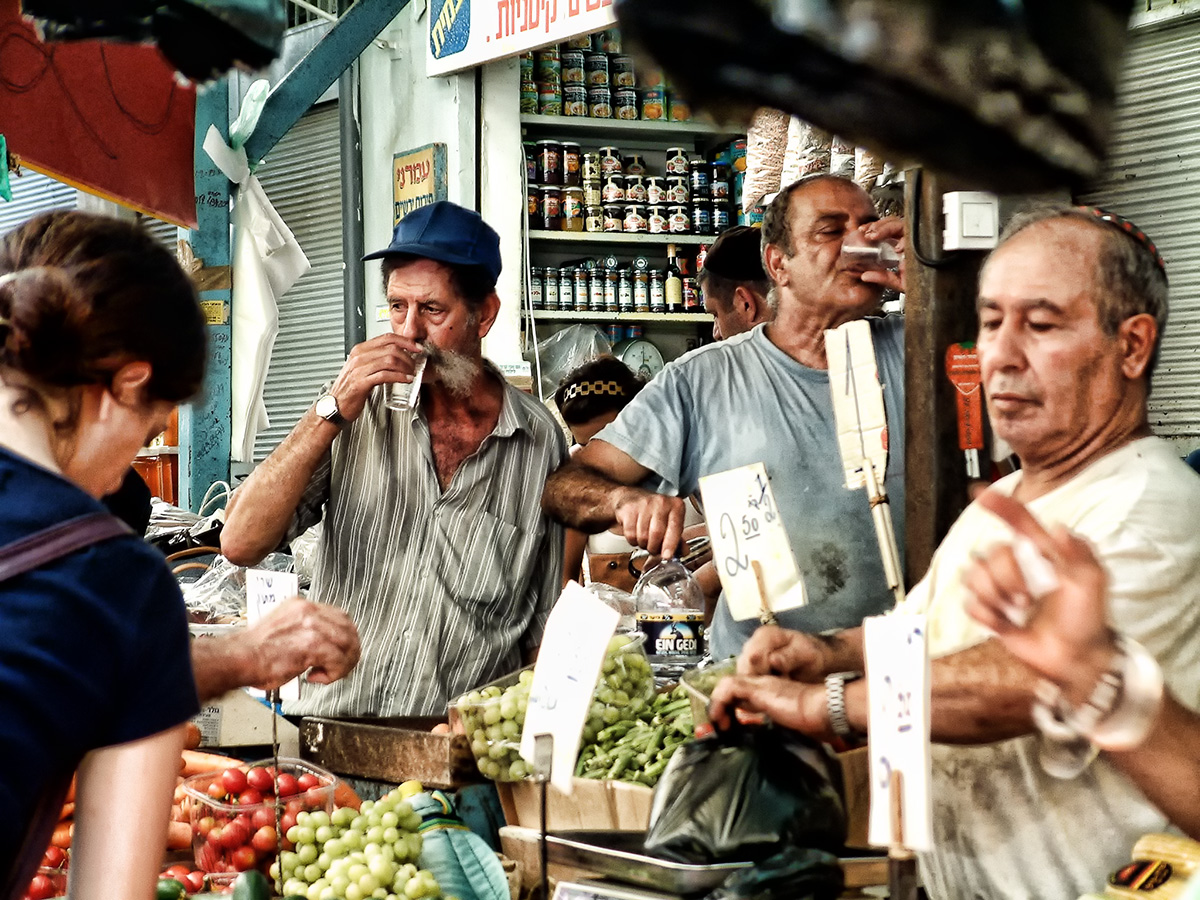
100, 336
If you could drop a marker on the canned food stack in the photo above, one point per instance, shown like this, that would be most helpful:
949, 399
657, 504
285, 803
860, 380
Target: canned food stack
606, 284
590, 76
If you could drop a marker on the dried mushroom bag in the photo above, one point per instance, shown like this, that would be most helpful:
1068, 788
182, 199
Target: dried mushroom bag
791, 155
867, 168
743, 795
841, 158
766, 141
814, 151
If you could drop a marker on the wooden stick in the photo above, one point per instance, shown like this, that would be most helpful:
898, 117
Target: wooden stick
768, 615
881, 515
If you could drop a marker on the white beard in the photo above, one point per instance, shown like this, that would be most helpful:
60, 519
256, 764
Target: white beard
456, 371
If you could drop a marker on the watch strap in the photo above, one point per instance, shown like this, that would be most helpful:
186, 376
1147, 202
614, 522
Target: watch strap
835, 700
334, 415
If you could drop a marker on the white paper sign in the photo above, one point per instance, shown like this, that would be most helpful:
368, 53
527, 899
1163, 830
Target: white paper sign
897, 662
264, 591
857, 394
569, 661
745, 527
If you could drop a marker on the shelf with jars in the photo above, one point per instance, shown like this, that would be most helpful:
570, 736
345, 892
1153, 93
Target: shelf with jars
685, 318
636, 130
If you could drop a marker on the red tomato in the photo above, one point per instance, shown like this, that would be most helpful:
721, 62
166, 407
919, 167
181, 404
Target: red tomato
260, 779
215, 789
235, 834
204, 826
41, 888
293, 806
264, 840
234, 781
215, 834
208, 858
177, 871
286, 821
287, 785
249, 797
194, 882
261, 817
308, 780
54, 857
244, 858
314, 798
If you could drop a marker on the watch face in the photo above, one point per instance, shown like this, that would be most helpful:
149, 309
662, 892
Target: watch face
327, 406
643, 357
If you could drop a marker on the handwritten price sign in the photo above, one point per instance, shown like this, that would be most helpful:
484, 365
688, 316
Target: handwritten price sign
264, 591
898, 687
746, 528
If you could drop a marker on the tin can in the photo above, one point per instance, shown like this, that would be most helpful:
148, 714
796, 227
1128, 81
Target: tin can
551, 211
625, 104
699, 181
572, 67
658, 291
737, 154
677, 190
678, 109
613, 333
571, 164
608, 40
527, 66
595, 69
677, 163
549, 162
679, 220
720, 217
593, 194
641, 290
550, 288
572, 209
547, 66
691, 296
575, 100
656, 219
537, 284
654, 105
635, 189
656, 190
625, 290
533, 201
549, 99
613, 190
591, 166
599, 103
634, 164
596, 290
633, 332
529, 97
566, 288
610, 161
579, 42
593, 218
635, 218
621, 72
611, 289
580, 292
614, 217
702, 221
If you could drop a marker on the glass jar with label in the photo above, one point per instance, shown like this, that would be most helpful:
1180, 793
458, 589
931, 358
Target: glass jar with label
719, 185
635, 218
656, 190
625, 290
656, 219
679, 220
702, 217
533, 203
591, 166
566, 288
579, 293
549, 162
596, 290
550, 288
699, 181
634, 164
720, 217
614, 217
641, 291
572, 176
610, 161
635, 189
551, 207
678, 162
572, 209
613, 190
531, 166
593, 193
611, 290
691, 295
593, 218
677, 190
658, 291
537, 284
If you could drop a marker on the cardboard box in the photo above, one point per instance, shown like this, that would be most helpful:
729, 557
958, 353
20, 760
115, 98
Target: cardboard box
239, 720
591, 805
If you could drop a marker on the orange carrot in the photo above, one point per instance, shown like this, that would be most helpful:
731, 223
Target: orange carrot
197, 762
179, 836
68, 810
343, 795
63, 832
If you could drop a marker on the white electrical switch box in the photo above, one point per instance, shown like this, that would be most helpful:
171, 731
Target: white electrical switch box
972, 220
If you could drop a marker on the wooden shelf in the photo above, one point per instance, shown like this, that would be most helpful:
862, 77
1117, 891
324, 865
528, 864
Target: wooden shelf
548, 315
619, 237
625, 129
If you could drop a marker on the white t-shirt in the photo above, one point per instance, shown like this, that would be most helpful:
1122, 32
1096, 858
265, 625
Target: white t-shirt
1003, 828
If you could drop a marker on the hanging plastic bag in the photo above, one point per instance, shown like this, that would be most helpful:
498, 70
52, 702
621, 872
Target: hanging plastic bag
743, 795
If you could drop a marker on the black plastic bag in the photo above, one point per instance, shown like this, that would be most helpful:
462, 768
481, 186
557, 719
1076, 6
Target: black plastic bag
743, 795
791, 874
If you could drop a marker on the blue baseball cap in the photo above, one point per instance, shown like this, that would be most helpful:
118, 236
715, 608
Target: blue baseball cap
448, 233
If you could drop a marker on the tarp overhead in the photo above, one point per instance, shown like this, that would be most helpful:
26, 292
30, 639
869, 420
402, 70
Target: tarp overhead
111, 118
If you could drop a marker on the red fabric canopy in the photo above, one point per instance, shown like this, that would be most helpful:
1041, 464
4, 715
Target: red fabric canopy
107, 117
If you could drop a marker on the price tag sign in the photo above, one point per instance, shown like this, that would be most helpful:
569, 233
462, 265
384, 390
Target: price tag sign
745, 528
568, 664
898, 707
264, 591
858, 407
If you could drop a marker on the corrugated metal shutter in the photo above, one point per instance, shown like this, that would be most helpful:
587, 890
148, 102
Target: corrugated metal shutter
301, 176
34, 193
1153, 177
166, 233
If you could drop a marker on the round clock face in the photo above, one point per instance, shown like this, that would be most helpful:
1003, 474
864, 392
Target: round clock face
643, 357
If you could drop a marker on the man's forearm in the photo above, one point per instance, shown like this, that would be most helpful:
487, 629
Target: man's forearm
582, 498
220, 665
260, 509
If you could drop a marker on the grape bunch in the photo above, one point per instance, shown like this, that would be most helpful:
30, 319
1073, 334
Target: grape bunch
357, 854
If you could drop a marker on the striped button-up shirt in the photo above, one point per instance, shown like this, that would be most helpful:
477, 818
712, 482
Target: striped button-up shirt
447, 588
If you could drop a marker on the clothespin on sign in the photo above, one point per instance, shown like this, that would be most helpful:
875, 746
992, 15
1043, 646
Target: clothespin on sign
962, 368
862, 432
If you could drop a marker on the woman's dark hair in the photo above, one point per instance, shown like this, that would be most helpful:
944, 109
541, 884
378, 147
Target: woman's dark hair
82, 295
603, 385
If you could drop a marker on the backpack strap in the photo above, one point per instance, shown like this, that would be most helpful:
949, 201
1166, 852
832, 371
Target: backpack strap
58, 540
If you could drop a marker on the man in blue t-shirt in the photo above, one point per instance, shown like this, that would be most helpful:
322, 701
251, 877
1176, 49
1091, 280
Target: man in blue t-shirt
764, 396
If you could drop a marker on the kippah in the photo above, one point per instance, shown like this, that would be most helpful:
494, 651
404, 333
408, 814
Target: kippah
737, 255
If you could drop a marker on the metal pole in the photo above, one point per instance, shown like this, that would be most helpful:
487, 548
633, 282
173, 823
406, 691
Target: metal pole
353, 287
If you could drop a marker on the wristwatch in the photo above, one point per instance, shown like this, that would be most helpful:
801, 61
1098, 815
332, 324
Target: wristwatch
835, 700
327, 408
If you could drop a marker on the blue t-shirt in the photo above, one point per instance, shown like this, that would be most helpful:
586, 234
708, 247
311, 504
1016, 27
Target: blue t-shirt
93, 651
743, 401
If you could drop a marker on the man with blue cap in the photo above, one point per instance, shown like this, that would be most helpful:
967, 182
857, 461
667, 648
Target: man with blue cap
434, 540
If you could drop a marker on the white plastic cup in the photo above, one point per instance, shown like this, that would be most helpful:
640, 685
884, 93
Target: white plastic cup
401, 396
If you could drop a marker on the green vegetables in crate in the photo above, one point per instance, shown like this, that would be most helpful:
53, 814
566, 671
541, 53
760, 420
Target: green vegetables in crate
639, 750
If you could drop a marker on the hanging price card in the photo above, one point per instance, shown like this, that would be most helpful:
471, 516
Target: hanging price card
898, 707
264, 591
750, 545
